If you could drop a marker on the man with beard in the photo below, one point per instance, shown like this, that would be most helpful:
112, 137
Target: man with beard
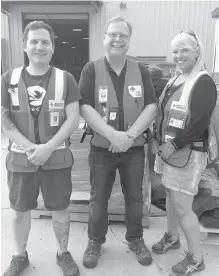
118, 103
40, 110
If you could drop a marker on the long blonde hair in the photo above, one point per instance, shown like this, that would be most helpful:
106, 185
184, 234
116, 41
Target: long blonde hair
192, 41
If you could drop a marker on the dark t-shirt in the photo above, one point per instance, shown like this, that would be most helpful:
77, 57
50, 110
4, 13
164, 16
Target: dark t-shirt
87, 86
36, 88
203, 101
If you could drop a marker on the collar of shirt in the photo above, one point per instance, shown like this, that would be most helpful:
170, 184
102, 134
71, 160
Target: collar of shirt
110, 69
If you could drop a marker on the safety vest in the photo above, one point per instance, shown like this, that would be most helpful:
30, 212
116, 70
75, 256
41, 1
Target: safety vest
106, 100
50, 119
175, 117
213, 154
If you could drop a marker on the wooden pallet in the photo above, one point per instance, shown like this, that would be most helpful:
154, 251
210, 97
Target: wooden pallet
83, 217
79, 208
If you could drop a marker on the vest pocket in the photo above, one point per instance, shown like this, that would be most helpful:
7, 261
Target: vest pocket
180, 158
57, 157
60, 157
19, 159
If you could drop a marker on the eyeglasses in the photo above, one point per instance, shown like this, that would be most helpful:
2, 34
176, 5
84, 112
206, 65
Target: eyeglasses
121, 36
189, 32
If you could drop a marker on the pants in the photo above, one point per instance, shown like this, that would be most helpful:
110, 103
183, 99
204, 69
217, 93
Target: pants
103, 165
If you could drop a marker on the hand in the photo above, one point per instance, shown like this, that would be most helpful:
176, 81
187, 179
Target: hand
166, 150
39, 154
30, 149
120, 142
115, 149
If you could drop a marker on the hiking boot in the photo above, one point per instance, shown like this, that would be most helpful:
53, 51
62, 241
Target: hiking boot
18, 264
67, 264
165, 244
91, 254
188, 266
141, 251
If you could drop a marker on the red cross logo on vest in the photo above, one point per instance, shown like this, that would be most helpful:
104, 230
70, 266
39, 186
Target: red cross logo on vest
135, 91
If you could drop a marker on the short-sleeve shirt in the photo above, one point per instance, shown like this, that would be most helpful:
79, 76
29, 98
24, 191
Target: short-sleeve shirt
87, 86
36, 86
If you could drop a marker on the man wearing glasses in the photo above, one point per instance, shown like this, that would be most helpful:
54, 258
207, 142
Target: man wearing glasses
118, 103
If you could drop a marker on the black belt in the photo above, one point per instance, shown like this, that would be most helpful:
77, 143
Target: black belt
198, 146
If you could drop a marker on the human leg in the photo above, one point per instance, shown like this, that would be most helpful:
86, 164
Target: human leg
56, 190
193, 261
131, 169
23, 193
172, 218
102, 176
170, 239
188, 220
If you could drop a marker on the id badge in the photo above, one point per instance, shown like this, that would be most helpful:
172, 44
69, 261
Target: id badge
178, 107
112, 116
177, 115
54, 119
14, 97
103, 94
176, 123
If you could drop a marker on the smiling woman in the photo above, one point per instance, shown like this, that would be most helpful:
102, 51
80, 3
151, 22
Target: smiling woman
186, 50
184, 113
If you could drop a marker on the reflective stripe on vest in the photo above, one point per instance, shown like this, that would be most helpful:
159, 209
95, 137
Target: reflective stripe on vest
213, 139
16, 74
106, 100
59, 84
182, 98
61, 157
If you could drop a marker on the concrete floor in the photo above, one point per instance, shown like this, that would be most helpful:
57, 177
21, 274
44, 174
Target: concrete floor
116, 258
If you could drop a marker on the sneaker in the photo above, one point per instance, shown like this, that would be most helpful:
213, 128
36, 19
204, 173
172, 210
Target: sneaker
165, 244
188, 266
141, 251
18, 264
67, 264
92, 254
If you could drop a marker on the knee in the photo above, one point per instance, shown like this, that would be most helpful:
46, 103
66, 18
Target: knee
99, 199
21, 216
62, 215
181, 210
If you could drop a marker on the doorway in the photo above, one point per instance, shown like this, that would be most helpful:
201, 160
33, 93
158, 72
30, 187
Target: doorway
71, 40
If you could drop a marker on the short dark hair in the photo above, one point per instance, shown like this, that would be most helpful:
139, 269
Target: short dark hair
119, 18
36, 25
